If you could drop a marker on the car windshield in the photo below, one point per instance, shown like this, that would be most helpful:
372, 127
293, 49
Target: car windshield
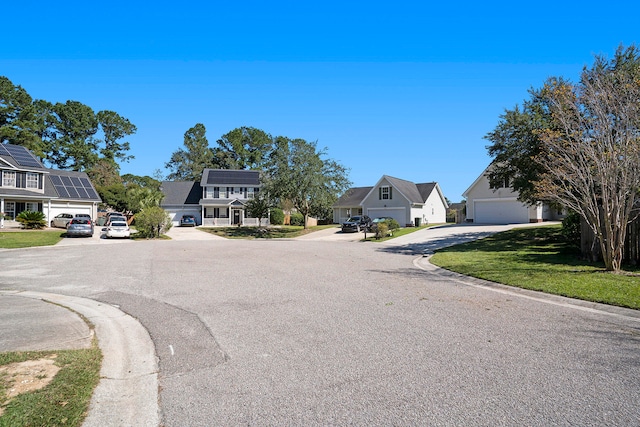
119, 224
81, 221
354, 219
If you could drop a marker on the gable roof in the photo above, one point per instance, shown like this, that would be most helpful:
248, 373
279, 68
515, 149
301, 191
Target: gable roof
181, 193
70, 185
414, 193
19, 157
482, 176
230, 176
353, 197
58, 184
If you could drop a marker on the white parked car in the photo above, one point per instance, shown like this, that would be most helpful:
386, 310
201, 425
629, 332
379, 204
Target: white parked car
118, 229
61, 220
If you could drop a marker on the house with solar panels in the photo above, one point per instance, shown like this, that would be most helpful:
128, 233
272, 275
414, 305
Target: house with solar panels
26, 185
219, 198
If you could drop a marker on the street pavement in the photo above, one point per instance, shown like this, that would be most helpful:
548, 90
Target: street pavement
321, 332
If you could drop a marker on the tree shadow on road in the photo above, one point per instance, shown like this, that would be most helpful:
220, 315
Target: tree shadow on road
432, 245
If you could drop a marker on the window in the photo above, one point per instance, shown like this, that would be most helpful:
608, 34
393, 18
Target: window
10, 209
8, 179
385, 193
32, 180
32, 207
499, 183
250, 193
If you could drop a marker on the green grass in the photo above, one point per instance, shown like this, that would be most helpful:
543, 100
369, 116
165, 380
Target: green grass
64, 401
538, 258
397, 233
29, 238
285, 231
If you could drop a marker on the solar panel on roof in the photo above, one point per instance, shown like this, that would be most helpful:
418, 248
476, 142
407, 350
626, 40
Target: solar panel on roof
82, 192
22, 156
3, 151
62, 191
74, 187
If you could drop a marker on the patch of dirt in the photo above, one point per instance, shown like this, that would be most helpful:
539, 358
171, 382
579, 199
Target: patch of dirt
24, 377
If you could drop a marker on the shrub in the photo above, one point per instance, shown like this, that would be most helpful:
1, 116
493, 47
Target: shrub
31, 219
277, 216
392, 224
296, 219
152, 222
382, 230
571, 228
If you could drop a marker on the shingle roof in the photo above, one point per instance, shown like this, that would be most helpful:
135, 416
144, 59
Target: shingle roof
353, 197
181, 193
58, 184
230, 177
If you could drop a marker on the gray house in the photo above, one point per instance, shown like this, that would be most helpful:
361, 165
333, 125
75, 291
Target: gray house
217, 200
26, 185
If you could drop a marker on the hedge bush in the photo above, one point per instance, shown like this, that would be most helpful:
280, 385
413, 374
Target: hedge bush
276, 216
296, 219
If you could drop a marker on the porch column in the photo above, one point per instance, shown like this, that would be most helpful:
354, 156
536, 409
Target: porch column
1, 212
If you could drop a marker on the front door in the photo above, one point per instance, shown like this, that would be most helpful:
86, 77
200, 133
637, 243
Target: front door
236, 217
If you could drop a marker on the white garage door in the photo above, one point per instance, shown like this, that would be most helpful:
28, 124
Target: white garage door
500, 212
176, 214
398, 214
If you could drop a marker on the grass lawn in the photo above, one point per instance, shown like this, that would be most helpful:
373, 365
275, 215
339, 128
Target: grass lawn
397, 233
284, 231
28, 238
62, 402
538, 258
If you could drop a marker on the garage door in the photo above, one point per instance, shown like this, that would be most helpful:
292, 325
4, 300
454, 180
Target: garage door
500, 212
398, 214
177, 214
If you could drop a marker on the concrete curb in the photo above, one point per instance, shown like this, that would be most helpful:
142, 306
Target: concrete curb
629, 314
127, 394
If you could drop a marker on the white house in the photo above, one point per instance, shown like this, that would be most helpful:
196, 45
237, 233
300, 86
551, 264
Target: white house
405, 201
26, 185
500, 205
217, 200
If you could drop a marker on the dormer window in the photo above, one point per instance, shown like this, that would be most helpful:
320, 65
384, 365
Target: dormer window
32, 180
8, 179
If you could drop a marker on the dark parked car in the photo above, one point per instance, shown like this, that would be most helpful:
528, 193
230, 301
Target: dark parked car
80, 227
188, 221
356, 224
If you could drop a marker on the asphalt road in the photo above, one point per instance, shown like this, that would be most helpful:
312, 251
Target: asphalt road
322, 332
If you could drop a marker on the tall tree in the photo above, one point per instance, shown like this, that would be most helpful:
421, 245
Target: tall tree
302, 175
187, 164
74, 146
115, 127
516, 144
592, 156
243, 148
19, 118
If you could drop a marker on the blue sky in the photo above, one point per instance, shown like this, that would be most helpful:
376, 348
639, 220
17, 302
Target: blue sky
406, 88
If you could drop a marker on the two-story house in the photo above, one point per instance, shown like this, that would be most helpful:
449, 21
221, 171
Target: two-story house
217, 200
26, 185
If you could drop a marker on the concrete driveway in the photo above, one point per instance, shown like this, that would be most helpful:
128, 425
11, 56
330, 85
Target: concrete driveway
314, 332
333, 234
